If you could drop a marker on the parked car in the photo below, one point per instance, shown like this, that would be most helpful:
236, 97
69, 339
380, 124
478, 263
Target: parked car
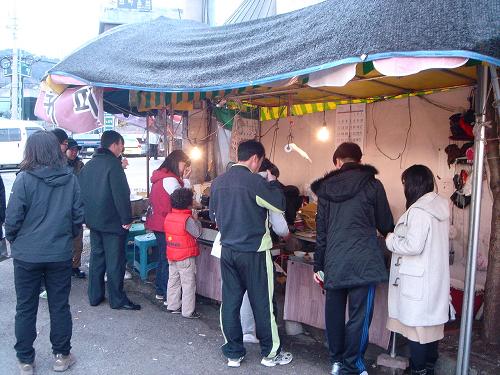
13, 136
89, 141
134, 145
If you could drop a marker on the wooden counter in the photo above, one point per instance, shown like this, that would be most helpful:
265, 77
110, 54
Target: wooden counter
208, 279
305, 302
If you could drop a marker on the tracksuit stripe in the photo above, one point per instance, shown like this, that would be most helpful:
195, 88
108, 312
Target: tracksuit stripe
221, 325
366, 327
270, 291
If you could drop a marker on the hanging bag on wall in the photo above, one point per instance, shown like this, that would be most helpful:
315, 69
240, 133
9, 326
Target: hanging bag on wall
462, 124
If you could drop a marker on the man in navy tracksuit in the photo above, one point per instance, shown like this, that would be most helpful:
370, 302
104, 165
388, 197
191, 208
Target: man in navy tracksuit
352, 206
239, 203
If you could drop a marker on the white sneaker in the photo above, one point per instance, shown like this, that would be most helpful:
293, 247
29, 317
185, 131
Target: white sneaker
336, 368
234, 362
43, 294
283, 358
128, 275
105, 277
248, 337
159, 297
364, 373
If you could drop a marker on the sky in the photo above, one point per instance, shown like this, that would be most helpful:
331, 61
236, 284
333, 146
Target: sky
55, 28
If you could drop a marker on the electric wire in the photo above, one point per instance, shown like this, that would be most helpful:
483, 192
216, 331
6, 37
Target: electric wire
406, 138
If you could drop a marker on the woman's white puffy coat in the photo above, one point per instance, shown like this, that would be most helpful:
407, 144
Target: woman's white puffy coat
419, 284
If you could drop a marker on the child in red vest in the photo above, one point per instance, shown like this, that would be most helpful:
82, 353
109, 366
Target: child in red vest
181, 232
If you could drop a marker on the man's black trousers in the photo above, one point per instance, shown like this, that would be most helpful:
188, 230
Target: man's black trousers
107, 255
252, 272
27, 280
347, 342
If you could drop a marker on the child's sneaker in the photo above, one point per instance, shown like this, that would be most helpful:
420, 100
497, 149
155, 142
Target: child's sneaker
194, 315
283, 358
160, 297
63, 362
178, 311
248, 337
234, 362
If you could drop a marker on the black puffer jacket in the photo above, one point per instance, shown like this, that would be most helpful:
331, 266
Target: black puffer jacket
352, 206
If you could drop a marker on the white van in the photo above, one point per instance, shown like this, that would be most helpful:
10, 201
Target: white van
13, 136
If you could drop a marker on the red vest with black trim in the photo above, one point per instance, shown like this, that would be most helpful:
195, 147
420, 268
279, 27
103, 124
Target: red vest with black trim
180, 244
159, 200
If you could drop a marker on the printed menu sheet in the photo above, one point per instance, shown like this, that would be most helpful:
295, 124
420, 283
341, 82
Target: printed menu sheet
350, 125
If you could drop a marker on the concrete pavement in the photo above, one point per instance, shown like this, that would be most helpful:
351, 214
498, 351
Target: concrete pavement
149, 341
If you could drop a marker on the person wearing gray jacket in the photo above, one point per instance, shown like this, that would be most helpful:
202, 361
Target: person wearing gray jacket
43, 215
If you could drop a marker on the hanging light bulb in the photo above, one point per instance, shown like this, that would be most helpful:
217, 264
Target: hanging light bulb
195, 153
323, 133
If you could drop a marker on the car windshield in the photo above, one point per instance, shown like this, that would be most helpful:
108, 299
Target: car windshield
10, 135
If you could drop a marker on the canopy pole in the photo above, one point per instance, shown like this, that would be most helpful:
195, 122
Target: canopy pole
147, 155
496, 87
464, 347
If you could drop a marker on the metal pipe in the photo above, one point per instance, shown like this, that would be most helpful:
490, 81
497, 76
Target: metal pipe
393, 346
474, 223
496, 87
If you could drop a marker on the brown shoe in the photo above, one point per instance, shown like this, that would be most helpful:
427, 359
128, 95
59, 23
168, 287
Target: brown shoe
63, 362
26, 368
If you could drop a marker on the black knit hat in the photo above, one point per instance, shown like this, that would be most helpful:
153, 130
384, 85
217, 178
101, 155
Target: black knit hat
60, 134
348, 150
73, 144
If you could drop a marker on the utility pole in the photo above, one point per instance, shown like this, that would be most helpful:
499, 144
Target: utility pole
16, 88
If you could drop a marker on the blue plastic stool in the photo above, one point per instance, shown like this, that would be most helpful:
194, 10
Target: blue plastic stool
135, 230
144, 259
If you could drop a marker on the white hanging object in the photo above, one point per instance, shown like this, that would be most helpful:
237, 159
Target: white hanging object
289, 147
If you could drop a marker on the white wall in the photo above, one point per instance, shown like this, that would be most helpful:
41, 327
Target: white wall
427, 140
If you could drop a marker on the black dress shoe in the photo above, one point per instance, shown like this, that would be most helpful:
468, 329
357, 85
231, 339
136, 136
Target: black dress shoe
96, 303
78, 273
129, 306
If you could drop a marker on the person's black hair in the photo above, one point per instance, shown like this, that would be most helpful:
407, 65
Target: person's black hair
172, 161
181, 198
267, 165
250, 148
61, 135
417, 180
42, 150
110, 137
347, 151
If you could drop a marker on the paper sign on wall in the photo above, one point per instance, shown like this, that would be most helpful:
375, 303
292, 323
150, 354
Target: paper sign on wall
350, 124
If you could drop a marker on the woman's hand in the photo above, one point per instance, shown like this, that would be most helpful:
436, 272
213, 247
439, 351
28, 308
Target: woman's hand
187, 173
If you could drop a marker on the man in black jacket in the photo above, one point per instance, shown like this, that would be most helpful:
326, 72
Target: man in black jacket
239, 203
352, 206
108, 214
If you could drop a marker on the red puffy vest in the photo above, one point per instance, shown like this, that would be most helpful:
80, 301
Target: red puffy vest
159, 200
180, 244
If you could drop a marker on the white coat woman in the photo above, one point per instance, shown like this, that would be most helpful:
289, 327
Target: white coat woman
419, 284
